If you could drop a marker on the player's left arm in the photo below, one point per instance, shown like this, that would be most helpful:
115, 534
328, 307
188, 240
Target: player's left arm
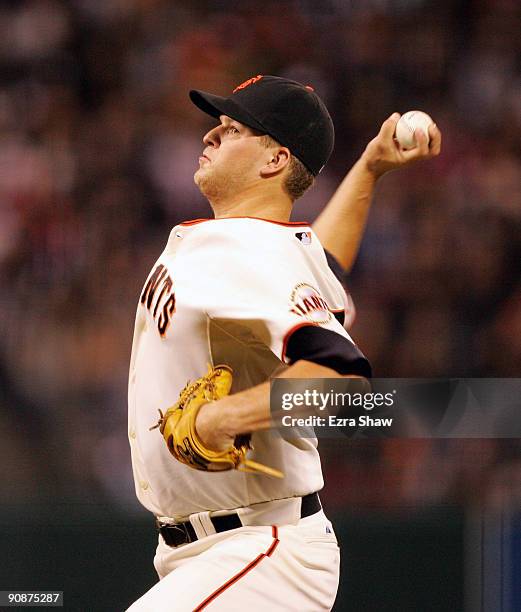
341, 224
219, 422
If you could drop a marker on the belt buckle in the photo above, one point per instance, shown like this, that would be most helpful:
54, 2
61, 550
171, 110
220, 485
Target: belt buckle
180, 528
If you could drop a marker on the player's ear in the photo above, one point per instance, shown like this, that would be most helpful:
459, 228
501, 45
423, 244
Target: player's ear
278, 159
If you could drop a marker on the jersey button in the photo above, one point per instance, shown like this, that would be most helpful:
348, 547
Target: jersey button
144, 485
132, 433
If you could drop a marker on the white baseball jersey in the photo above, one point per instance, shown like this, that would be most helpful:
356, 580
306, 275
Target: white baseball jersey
271, 278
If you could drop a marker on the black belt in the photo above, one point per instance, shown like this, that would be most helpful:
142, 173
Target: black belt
183, 533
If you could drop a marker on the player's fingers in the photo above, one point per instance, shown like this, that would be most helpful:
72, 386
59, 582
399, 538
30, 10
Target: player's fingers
421, 149
389, 126
435, 143
412, 155
409, 155
422, 143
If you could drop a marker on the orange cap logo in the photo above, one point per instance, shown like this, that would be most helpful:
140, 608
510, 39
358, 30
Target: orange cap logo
248, 82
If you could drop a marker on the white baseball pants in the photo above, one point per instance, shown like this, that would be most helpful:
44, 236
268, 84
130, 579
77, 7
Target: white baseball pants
260, 569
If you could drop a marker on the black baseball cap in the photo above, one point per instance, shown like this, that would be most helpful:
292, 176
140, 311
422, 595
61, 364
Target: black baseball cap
288, 111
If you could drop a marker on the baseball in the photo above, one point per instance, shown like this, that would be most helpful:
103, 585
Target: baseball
409, 122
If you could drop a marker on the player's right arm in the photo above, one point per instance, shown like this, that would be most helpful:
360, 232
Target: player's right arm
341, 224
219, 422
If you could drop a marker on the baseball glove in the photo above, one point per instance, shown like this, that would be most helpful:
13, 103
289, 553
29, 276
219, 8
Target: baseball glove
178, 428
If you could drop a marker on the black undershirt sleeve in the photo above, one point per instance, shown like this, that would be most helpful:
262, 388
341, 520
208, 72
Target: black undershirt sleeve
327, 348
336, 268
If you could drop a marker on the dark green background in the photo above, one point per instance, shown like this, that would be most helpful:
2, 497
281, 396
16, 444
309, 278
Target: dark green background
411, 561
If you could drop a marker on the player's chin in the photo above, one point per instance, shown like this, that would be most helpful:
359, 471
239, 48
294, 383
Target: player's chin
197, 176
201, 179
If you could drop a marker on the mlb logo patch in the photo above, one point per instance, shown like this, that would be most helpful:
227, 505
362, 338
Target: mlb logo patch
304, 237
328, 530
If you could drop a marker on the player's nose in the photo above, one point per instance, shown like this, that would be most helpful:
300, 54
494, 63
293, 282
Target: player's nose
212, 138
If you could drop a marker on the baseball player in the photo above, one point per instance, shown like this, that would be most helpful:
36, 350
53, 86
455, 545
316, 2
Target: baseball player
228, 302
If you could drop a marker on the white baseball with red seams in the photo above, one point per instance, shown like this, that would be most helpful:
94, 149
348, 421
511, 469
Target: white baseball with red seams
408, 123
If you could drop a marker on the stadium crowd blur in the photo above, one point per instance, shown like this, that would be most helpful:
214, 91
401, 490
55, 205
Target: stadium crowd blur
98, 145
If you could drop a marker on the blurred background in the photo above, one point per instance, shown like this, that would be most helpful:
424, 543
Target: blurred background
98, 145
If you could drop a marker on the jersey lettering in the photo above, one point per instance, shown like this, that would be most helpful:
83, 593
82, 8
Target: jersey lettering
151, 286
318, 302
168, 311
307, 302
159, 277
